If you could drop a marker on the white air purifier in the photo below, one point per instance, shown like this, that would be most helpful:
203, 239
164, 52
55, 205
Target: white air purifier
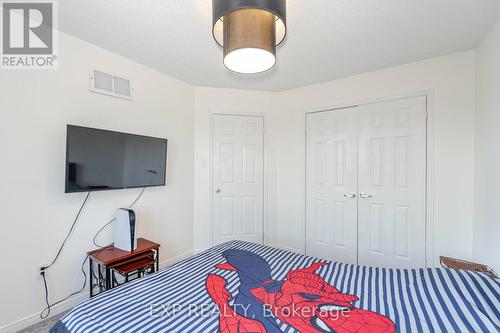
125, 230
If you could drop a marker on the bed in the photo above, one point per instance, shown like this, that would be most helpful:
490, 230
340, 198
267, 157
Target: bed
245, 287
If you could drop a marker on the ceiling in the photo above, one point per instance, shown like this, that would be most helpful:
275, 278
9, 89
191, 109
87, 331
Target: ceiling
327, 39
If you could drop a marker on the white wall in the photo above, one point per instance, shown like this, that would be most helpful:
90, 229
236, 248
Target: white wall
35, 107
450, 81
487, 169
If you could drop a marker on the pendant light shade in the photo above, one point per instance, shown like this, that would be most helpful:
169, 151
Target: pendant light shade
249, 31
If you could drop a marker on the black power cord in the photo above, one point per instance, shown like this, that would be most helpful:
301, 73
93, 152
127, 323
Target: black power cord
112, 220
69, 234
46, 311
44, 269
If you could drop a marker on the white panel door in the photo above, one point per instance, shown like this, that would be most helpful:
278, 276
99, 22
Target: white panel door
237, 166
392, 183
331, 206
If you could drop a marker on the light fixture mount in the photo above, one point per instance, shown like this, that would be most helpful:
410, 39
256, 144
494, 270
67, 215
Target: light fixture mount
249, 31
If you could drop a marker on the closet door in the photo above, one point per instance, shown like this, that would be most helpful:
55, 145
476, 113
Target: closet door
392, 182
331, 185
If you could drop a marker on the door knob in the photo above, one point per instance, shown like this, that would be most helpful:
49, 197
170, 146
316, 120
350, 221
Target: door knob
217, 190
350, 195
365, 195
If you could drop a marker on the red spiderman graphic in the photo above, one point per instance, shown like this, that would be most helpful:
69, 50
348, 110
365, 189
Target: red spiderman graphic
304, 301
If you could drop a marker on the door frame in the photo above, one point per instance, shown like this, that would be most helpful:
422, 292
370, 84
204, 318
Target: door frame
265, 222
430, 163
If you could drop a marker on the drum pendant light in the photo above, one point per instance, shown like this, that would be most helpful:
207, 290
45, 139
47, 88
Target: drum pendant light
249, 31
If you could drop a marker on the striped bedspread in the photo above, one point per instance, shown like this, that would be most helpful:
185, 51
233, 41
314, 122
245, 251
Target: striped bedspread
187, 297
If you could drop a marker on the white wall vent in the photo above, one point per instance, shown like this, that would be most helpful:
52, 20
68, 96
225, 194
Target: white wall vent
110, 84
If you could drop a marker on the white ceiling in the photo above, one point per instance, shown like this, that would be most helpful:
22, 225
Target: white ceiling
327, 39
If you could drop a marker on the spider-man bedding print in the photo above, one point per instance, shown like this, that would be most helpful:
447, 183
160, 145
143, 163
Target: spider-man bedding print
304, 300
241, 287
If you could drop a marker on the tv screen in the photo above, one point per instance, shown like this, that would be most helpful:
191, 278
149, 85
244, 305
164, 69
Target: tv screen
104, 160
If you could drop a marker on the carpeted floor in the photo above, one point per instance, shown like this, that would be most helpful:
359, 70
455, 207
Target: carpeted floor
43, 326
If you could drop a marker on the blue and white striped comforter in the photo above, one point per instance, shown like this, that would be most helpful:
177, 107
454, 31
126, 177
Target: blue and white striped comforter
420, 300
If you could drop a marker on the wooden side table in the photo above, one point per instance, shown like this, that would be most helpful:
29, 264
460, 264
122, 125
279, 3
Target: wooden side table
110, 257
453, 263
139, 267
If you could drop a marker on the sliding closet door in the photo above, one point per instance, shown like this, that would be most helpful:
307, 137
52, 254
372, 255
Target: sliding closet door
331, 209
392, 182
238, 177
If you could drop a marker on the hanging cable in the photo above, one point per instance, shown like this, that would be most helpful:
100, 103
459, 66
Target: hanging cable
48, 306
44, 269
69, 234
46, 311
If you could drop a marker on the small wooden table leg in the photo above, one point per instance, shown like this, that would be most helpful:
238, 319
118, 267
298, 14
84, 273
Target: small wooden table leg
157, 259
100, 278
108, 278
91, 278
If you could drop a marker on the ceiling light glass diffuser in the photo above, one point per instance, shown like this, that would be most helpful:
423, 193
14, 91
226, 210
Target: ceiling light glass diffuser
249, 31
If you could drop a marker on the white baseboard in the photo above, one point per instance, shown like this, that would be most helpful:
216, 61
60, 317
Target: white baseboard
35, 317
75, 300
286, 248
176, 259
197, 251
282, 247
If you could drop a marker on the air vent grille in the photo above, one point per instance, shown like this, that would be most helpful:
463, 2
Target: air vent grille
110, 84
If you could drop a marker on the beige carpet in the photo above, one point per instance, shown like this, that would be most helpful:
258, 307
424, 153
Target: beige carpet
43, 326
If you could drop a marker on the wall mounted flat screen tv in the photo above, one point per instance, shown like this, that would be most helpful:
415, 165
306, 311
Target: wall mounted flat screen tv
99, 160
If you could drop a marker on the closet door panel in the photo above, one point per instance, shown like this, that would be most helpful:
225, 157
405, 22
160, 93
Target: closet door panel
331, 185
392, 182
